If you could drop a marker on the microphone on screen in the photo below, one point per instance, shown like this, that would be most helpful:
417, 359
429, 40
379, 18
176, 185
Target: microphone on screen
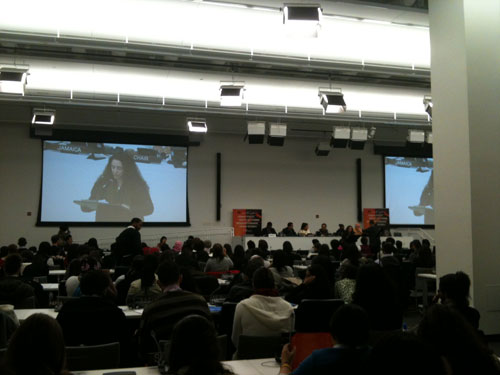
160, 360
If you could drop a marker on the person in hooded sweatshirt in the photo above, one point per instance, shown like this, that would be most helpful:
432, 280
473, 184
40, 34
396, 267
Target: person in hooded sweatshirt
264, 313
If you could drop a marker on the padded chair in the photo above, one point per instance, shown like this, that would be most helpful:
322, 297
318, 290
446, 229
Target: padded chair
221, 342
313, 315
306, 343
83, 358
253, 347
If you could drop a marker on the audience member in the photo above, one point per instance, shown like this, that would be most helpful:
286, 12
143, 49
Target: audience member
228, 250
161, 315
376, 293
366, 250
340, 231
145, 289
456, 341
279, 268
387, 258
21, 243
264, 313
163, 244
87, 264
219, 262
244, 288
290, 255
239, 260
262, 248
316, 285
199, 248
454, 291
36, 348
194, 349
404, 353
349, 327
13, 290
345, 287
186, 258
94, 318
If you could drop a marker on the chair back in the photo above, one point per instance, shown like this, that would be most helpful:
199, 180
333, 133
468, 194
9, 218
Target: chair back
313, 315
165, 346
84, 358
306, 343
253, 347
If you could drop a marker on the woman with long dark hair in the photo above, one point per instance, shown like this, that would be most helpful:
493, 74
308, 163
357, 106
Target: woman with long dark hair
194, 348
219, 262
122, 186
145, 289
36, 348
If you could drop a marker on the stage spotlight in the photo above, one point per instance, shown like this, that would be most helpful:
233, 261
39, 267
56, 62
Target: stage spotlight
231, 94
277, 134
428, 105
428, 138
256, 131
13, 80
359, 136
197, 125
43, 116
340, 136
332, 100
322, 149
302, 20
416, 136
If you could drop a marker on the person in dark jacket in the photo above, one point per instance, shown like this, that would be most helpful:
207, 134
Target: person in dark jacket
13, 290
128, 242
315, 286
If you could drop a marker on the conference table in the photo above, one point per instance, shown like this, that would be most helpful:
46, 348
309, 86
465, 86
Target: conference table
264, 366
305, 243
23, 314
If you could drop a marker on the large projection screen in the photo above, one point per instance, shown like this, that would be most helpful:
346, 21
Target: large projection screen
110, 183
409, 191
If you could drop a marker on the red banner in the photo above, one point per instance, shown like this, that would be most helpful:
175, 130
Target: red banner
380, 217
247, 222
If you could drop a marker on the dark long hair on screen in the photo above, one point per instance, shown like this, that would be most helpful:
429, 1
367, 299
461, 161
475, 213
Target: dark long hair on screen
194, 348
36, 348
131, 173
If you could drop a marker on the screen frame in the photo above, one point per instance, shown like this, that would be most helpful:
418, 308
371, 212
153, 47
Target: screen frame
391, 225
116, 138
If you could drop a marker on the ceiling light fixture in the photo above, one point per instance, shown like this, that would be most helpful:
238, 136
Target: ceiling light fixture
197, 125
332, 100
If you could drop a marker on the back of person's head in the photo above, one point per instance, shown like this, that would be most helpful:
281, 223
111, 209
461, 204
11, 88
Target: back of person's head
168, 273
287, 247
415, 244
12, 249
351, 253
253, 265
92, 242
289, 224
54, 239
334, 244
387, 248
135, 220
279, 260
455, 288
186, 249
452, 337
269, 224
324, 250
263, 279
426, 243
88, 264
13, 264
348, 271
350, 325
194, 347
74, 268
22, 242
44, 248
397, 351
239, 251
198, 245
250, 244
390, 240
148, 271
229, 249
27, 256
263, 245
207, 243
399, 244
373, 287
94, 283
37, 348
218, 251
364, 240
320, 275
4, 250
